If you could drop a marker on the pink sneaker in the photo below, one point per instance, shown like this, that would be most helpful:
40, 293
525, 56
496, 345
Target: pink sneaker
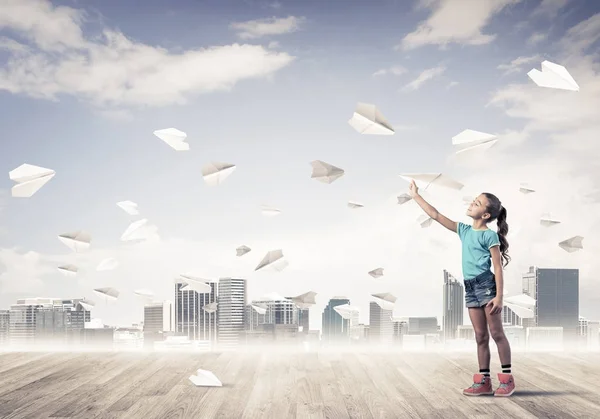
481, 386
507, 385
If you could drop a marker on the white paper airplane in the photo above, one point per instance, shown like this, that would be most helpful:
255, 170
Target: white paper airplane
129, 207
354, 205
87, 304
385, 300
376, 273
525, 189
242, 250
270, 258
108, 293
215, 173
325, 172
425, 221
68, 270
107, 264
571, 245
404, 198
211, 307
29, 179
204, 378
469, 140
424, 180
368, 120
259, 309
200, 285
306, 300
133, 231
174, 138
548, 221
269, 211
523, 300
347, 311
144, 293
554, 76
78, 241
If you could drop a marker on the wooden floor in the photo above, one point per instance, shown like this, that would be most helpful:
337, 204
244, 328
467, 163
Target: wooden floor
290, 385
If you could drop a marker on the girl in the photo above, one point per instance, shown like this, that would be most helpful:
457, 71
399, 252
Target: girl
483, 288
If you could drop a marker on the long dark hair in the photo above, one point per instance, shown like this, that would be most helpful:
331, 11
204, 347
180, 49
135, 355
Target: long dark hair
498, 212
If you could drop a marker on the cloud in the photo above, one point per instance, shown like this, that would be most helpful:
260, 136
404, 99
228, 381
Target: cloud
536, 38
517, 64
549, 8
452, 84
455, 21
113, 70
258, 28
22, 272
396, 70
425, 76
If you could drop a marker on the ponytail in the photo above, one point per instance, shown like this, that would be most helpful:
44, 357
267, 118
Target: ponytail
502, 233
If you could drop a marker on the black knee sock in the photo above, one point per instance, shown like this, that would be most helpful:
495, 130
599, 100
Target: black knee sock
485, 372
506, 369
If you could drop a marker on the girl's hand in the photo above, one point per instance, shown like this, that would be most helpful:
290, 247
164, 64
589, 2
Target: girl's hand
496, 305
413, 189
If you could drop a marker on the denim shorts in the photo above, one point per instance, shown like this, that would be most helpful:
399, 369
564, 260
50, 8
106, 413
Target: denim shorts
480, 290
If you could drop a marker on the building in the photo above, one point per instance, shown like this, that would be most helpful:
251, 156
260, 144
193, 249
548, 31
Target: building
381, 326
452, 315
334, 327
158, 317
556, 292
191, 319
422, 325
4, 327
232, 300
279, 309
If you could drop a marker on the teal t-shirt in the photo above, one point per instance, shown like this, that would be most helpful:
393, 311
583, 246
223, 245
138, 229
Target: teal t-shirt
476, 245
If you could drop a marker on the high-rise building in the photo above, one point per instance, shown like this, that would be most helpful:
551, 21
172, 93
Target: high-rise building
334, 326
191, 319
4, 327
158, 317
381, 326
231, 302
452, 315
422, 325
556, 292
280, 310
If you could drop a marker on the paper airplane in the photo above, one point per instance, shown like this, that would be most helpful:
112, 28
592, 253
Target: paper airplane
554, 76
305, 300
270, 211
78, 241
242, 250
428, 179
354, 205
211, 307
215, 173
107, 264
385, 300
129, 207
548, 221
270, 258
523, 300
368, 120
132, 232
109, 293
29, 179
525, 189
425, 220
87, 304
572, 245
174, 138
199, 285
68, 270
473, 140
347, 311
376, 273
144, 293
325, 172
205, 378
259, 309
404, 198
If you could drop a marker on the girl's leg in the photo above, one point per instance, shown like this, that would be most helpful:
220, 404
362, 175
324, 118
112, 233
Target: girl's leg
482, 337
497, 332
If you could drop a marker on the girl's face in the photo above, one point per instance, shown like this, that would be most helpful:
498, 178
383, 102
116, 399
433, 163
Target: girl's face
478, 208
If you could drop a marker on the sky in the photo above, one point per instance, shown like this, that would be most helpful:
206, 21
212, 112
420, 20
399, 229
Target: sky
270, 87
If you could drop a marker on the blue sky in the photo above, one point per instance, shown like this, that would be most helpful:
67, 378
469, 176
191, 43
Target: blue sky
281, 97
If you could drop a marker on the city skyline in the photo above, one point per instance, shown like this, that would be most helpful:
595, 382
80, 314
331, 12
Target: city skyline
289, 105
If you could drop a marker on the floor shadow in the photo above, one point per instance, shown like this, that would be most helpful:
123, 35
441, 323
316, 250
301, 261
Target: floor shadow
542, 393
